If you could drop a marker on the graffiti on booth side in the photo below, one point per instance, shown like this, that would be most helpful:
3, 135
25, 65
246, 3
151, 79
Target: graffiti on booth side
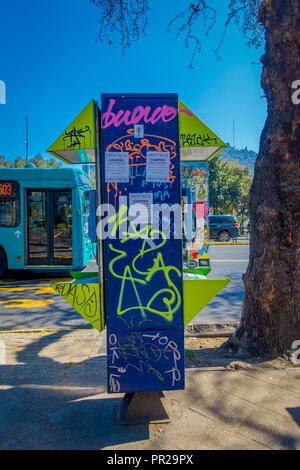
196, 140
195, 201
84, 298
139, 273
76, 138
146, 353
139, 114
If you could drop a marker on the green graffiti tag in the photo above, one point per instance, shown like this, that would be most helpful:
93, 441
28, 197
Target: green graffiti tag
137, 278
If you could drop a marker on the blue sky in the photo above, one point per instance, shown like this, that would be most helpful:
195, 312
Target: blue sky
53, 66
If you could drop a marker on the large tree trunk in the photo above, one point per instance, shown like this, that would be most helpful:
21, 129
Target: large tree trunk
271, 312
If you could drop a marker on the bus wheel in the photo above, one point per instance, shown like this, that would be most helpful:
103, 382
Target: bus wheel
3, 263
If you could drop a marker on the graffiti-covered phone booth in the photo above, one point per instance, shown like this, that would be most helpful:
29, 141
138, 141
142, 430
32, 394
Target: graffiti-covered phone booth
152, 156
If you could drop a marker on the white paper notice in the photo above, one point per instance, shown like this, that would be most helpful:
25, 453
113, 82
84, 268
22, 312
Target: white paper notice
116, 167
144, 208
158, 167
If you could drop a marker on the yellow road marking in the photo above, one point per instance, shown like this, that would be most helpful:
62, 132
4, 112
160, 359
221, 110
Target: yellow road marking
39, 290
26, 303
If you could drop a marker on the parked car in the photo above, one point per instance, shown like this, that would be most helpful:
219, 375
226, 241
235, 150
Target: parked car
223, 227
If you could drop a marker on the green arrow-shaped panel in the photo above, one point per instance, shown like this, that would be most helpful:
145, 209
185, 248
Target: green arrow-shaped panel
197, 293
84, 297
197, 141
77, 143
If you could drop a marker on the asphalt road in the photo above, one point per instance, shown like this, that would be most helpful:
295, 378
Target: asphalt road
226, 261
29, 303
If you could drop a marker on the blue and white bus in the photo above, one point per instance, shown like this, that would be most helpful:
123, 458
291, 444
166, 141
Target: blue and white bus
44, 219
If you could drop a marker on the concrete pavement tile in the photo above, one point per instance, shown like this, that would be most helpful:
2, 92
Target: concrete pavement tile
95, 360
14, 416
49, 399
11, 381
282, 401
243, 386
200, 378
56, 370
6, 397
22, 370
271, 429
88, 381
291, 380
197, 387
191, 431
93, 368
90, 424
38, 436
224, 408
73, 369
3, 370
273, 376
240, 442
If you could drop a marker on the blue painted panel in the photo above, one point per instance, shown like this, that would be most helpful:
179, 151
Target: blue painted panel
145, 361
143, 264
144, 274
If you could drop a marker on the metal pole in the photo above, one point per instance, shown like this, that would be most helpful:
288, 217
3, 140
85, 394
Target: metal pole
233, 132
26, 141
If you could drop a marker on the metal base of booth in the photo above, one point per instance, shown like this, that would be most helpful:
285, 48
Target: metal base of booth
144, 408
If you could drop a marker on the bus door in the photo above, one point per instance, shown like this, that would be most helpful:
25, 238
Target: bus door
49, 227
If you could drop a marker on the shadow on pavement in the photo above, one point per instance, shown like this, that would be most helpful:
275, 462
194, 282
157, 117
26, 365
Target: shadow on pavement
46, 404
295, 414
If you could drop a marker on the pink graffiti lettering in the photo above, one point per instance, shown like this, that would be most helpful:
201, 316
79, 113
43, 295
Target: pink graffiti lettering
109, 118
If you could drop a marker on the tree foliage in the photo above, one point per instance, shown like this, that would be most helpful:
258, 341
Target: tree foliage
229, 186
38, 161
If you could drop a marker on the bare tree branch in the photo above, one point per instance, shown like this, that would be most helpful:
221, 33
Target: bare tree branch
187, 20
129, 18
126, 17
245, 15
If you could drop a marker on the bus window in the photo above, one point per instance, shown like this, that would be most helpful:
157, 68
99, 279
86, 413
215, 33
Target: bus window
86, 212
9, 204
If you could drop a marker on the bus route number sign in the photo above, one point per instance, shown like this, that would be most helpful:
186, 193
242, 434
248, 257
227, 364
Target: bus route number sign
8, 189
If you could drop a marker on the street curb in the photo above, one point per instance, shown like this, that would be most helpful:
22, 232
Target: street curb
211, 327
191, 328
230, 243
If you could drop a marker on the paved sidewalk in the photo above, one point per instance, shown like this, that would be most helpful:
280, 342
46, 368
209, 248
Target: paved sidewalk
53, 396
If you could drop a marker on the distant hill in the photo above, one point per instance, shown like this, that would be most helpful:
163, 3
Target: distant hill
244, 157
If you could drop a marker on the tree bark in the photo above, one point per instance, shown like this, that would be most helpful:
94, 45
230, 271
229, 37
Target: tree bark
271, 313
